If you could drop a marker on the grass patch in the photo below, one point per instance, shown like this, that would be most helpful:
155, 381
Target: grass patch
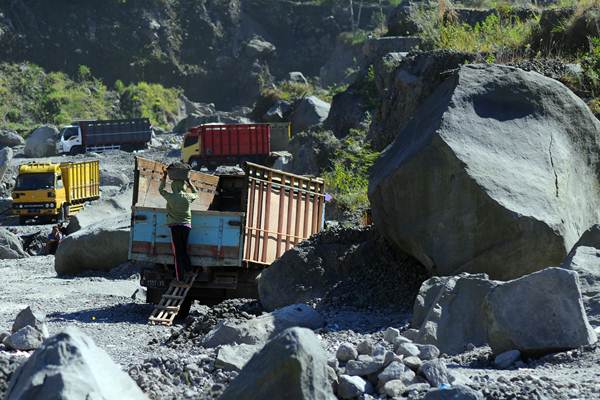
348, 179
152, 101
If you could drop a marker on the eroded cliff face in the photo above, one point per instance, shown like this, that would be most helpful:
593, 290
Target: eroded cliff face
217, 50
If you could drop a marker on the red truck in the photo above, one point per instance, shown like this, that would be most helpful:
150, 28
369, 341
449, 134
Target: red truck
229, 144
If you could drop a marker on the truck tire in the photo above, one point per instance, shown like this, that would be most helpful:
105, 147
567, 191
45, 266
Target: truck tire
64, 213
22, 220
195, 163
76, 150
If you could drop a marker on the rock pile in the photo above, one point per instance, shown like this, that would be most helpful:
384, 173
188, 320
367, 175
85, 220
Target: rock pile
28, 331
342, 267
497, 173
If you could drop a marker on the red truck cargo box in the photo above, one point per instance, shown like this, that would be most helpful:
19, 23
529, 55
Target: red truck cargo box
233, 140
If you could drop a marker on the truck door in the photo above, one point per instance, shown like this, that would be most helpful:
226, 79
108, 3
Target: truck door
70, 138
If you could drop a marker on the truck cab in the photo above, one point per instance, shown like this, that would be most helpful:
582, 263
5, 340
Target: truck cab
39, 191
70, 140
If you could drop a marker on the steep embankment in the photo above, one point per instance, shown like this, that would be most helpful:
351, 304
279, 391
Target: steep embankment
217, 50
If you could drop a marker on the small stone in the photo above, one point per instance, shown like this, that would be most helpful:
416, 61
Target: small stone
390, 335
418, 387
333, 378
365, 347
363, 367
3, 335
379, 351
413, 363
333, 363
436, 372
428, 351
346, 352
394, 388
411, 334
506, 359
390, 357
350, 387
392, 372
401, 339
407, 350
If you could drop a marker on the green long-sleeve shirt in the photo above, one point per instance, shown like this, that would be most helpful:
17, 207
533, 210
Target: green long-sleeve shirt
178, 202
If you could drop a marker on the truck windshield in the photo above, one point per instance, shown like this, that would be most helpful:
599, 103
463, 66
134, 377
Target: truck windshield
35, 181
69, 132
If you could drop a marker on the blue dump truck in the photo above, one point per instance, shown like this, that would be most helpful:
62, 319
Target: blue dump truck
241, 223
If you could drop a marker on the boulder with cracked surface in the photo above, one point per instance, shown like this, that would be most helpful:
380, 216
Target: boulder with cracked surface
497, 173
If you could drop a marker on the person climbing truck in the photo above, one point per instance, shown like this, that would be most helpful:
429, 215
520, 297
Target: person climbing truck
179, 214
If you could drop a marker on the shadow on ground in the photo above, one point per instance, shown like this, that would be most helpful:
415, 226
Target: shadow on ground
131, 313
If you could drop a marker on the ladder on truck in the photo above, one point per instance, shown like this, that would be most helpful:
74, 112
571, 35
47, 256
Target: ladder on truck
167, 309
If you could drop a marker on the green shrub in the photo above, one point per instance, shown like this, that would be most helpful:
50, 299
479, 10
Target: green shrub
153, 101
590, 63
348, 179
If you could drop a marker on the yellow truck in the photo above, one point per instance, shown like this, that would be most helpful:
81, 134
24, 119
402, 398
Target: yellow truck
54, 191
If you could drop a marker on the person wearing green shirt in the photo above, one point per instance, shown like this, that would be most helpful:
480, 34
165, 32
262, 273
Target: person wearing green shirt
179, 220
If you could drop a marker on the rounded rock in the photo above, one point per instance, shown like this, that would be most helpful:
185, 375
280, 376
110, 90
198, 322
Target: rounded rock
346, 352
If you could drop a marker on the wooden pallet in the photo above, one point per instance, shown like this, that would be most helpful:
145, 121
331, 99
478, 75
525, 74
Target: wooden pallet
165, 312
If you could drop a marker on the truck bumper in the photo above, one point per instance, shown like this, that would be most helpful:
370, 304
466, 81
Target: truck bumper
208, 278
35, 212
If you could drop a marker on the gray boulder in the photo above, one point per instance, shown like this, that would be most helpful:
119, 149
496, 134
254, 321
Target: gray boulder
297, 77
506, 359
115, 204
10, 138
113, 178
584, 259
6, 155
31, 317
70, 366
292, 365
11, 246
278, 111
309, 112
365, 365
351, 387
235, 357
41, 142
436, 372
346, 352
26, 338
448, 312
348, 111
98, 247
539, 313
490, 175
312, 152
456, 392
258, 330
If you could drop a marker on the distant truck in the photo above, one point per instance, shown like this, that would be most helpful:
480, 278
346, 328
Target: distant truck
123, 134
211, 145
240, 224
54, 191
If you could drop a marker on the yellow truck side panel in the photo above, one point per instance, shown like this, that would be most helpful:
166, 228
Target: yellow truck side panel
81, 181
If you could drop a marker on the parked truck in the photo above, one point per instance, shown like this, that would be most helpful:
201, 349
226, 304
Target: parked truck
54, 191
240, 224
211, 145
123, 134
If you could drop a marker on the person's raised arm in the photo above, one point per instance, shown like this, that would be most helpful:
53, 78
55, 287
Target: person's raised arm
191, 185
161, 187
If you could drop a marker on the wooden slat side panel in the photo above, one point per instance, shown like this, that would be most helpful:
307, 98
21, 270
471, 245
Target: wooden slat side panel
282, 210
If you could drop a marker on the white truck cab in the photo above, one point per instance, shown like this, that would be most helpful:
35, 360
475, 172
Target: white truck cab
70, 140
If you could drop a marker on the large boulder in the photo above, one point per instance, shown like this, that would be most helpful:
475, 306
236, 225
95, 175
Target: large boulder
11, 246
10, 138
348, 111
98, 247
41, 142
312, 152
309, 112
496, 173
6, 155
26, 338
114, 204
258, 330
539, 313
584, 259
70, 366
448, 312
293, 365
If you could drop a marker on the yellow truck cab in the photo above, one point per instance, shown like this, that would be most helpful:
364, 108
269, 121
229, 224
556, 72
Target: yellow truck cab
54, 191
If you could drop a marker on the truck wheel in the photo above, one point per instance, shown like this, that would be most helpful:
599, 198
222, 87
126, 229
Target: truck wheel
64, 213
195, 163
22, 220
76, 150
